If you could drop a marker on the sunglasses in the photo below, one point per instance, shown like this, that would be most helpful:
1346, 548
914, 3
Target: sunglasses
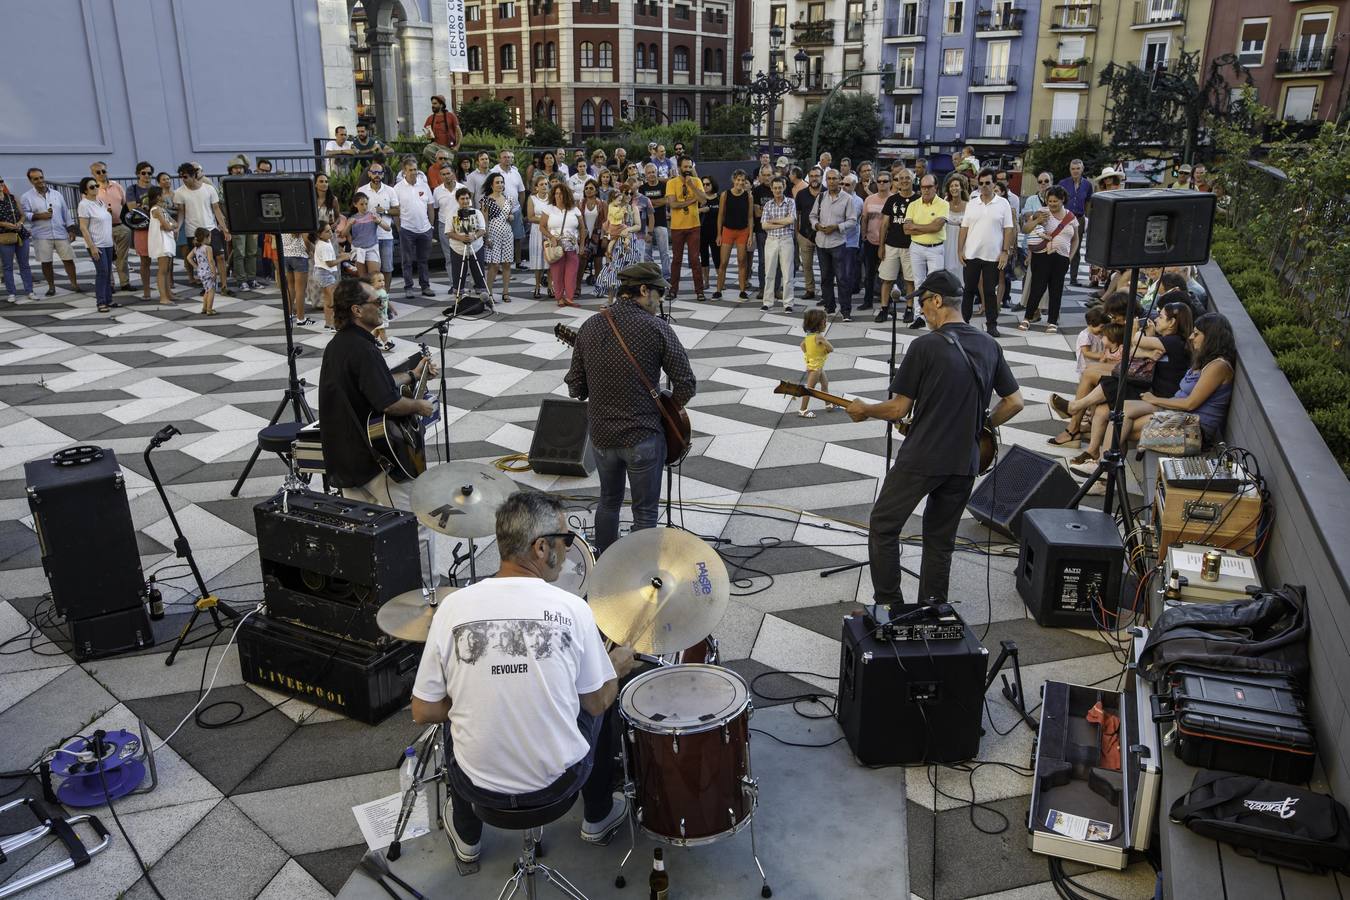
1042, 180
567, 537
883, 181
100, 171
986, 184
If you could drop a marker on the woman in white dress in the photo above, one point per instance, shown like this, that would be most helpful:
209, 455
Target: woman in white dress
161, 242
536, 202
957, 193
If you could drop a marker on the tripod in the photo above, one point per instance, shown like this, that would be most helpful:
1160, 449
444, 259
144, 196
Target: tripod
295, 385
467, 260
206, 600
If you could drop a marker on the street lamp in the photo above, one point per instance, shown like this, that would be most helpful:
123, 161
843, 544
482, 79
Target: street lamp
763, 91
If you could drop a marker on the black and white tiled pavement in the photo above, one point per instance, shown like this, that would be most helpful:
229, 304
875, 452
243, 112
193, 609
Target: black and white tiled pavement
270, 799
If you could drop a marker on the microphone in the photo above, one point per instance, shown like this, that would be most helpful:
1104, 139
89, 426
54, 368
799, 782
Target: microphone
923, 612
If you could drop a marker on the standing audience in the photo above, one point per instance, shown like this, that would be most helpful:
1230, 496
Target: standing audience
14, 243
96, 227
53, 226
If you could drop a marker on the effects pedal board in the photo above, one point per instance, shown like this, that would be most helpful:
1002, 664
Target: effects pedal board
922, 623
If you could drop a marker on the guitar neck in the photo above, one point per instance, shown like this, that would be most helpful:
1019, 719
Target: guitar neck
828, 398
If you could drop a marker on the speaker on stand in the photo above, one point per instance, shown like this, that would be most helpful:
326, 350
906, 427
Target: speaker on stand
1021, 480
562, 439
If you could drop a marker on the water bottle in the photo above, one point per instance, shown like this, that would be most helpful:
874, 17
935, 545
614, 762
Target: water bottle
407, 770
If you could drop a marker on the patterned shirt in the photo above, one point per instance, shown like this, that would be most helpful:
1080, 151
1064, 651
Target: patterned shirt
621, 413
786, 209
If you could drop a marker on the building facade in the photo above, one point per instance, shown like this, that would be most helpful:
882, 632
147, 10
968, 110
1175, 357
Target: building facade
578, 63
1289, 50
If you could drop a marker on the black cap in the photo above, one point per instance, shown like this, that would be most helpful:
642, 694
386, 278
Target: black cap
939, 282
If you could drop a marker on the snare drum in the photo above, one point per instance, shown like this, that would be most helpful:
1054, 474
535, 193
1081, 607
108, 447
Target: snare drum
577, 566
687, 752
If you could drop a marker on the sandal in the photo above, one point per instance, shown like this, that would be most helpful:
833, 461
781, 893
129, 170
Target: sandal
806, 414
1024, 325
1059, 407
1074, 437
1052, 329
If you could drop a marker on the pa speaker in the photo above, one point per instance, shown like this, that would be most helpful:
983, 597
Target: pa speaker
562, 439
267, 204
1144, 228
1069, 566
1021, 480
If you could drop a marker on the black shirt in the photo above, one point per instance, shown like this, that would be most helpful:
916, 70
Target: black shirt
894, 210
762, 193
948, 409
654, 192
1168, 371
353, 383
805, 201
735, 210
621, 412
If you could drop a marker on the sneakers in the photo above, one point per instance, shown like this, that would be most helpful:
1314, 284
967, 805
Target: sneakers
427, 292
918, 322
298, 323
993, 331
464, 851
766, 306
882, 314
717, 295
787, 307
846, 318
601, 832
745, 295
909, 314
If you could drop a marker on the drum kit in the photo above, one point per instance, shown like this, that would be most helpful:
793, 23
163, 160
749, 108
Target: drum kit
685, 720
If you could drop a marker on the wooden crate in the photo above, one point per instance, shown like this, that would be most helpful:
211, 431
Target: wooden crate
1212, 518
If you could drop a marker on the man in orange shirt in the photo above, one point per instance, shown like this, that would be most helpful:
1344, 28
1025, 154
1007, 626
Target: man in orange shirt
442, 126
112, 193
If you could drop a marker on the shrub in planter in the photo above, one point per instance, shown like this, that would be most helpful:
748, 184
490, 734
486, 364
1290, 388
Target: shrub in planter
1334, 425
1289, 337
1252, 282
1268, 315
1323, 390
1305, 361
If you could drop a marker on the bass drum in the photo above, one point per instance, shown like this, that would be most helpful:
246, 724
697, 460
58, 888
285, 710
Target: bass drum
577, 567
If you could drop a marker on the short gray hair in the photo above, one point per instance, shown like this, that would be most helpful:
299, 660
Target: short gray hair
1075, 162
524, 517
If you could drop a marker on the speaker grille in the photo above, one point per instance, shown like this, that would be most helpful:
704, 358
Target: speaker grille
1015, 478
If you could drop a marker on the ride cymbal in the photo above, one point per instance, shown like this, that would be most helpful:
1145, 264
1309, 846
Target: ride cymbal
408, 616
461, 499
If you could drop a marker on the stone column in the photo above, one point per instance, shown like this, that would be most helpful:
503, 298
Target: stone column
385, 75
419, 58
339, 86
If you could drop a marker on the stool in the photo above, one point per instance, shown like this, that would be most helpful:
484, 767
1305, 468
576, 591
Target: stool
280, 439
531, 821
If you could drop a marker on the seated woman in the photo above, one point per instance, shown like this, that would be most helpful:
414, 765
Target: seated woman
1115, 307
1205, 389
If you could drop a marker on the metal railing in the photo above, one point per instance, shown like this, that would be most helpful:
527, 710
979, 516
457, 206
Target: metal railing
1154, 12
1053, 127
1068, 73
819, 32
818, 82
1002, 19
1074, 17
978, 129
909, 21
1304, 61
993, 76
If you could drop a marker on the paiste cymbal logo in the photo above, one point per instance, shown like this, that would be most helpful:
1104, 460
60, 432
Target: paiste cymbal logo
1283, 808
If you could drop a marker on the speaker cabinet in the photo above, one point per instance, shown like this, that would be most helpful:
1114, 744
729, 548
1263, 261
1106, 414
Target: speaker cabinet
268, 204
562, 439
1021, 480
1142, 228
1069, 567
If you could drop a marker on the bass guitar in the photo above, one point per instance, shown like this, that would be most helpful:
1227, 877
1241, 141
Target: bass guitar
988, 436
399, 442
674, 420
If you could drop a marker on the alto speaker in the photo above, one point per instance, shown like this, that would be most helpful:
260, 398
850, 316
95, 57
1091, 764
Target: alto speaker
267, 204
1069, 567
562, 439
1021, 480
1143, 228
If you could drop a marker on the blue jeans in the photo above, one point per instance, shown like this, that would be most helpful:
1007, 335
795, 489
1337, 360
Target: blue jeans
659, 246
9, 253
642, 463
415, 249
103, 267
835, 282
386, 256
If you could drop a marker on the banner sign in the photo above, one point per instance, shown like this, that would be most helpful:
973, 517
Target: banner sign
459, 37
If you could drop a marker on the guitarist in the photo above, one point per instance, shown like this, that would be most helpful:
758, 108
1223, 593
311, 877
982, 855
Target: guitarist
626, 426
354, 382
948, 390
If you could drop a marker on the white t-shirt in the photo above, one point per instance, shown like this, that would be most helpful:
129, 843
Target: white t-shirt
577, 184
100, 221
465, 226
513, 655
198, 206
446, 204
325, 257
515, 185
565, 225
983, 224
475, 181
412, 205
381, 203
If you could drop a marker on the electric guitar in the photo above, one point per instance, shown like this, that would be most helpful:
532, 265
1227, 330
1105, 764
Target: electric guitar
674, 420
988, 436
399, 442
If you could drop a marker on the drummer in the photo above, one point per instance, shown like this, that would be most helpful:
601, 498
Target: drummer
519, 669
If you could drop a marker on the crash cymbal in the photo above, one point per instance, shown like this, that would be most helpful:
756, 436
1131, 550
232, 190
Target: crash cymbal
659, 590
461, 499
408, 616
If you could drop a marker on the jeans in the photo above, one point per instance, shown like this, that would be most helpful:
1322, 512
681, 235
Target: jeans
9, 253
642, 463
103, 269
462, 267
925, 260
806, 252
761, 238
680, 238
834, 278
386, 256
415, 249
900, 494
591, 775
659, 246
562, 276
978, 272
1047, 270
244, 257
871, 262
384, 491
778, 253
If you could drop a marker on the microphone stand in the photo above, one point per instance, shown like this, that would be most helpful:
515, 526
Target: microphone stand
442, 329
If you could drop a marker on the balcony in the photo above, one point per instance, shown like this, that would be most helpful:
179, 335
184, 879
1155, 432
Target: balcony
998, 22
819, 33
1304, 62
713, 79
1074, 17
647, 76
1068, 75
910, 24
978, 130
1054, 127
1159, 13
994, 78
817, 83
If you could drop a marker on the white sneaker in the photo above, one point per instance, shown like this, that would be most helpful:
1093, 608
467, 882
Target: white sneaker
464, 851
787, 308
601, 832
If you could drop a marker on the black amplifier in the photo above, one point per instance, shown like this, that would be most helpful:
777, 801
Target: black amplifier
114, 632
1069, 567
364, 683
910, 701
330, 563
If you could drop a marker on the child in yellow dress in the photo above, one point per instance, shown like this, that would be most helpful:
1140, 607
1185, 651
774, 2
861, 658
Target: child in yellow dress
815, 348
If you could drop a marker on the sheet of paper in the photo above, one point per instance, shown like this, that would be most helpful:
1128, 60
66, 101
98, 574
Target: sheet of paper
378, 818
1080, 828
1237, 566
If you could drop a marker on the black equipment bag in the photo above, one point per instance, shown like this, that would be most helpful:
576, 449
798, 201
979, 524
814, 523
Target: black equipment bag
1268, 633
1276, 823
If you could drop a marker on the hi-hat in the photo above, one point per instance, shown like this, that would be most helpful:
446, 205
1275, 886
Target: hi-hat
461, 499
660, 590
408, 616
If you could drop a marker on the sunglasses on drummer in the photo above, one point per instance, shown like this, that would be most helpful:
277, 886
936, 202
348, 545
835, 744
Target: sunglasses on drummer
567, 537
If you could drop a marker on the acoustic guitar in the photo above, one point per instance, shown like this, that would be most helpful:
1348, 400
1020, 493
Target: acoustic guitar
988, 436
674, 420
399, 442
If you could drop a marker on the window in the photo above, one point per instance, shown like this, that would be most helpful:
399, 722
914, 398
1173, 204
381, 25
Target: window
719, 60
508, 57
475, 59
853, 62
955, 17
682, 11
953, 61
909, 19
550, 55
679, 110
606, 59
946, 112
992, 125
682, 60
587, 55
1252, 42
540, 110
707, 59
1312, 41
853, 20
904, 113
778, 16
588, 115
904, 69
473, 13
1072, 49
606, 115
506, 11
653, 56
1155, 51
1162, 10
1300, 103
815, 12
640, 57
996, 62
537, 55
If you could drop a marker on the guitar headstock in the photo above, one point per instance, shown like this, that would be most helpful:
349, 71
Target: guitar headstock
791, 389
565, 334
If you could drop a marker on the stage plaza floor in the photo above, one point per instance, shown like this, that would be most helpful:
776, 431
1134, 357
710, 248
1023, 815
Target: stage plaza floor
263, 809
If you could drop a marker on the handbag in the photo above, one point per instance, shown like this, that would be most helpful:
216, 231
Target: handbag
553, 251
9, 237
136, 219
1172, 433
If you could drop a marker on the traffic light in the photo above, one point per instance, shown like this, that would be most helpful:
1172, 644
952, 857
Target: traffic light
623, 109
887, 78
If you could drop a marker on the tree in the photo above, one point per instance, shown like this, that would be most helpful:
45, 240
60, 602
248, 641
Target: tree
486, 114
544, 132
1053, 154
1165, 107
850, 125
730, 119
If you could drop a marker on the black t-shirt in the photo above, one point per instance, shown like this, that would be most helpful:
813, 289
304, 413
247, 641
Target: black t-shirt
805, 201
656, 192
353, 383
948, 409
1168, 371
762, 194
894, 210
735, 210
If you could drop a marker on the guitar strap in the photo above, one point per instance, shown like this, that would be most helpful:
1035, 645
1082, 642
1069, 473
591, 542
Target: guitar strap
975, 373
642, 376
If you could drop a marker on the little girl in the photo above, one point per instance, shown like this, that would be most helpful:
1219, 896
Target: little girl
326, 261
1089, 348
382, 333
815, 348
204, 264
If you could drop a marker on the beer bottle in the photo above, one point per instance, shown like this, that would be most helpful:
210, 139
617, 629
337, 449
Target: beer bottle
659, 883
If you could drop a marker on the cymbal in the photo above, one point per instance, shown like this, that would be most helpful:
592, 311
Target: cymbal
461, 499
408, 616
659, 590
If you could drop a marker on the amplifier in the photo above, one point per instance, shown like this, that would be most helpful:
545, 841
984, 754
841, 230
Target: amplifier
1225, 519
929, 631
114, 632
910, 701
1069, 567
363, 683
330, 563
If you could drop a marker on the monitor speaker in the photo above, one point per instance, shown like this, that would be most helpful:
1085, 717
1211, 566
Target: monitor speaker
1021, 480
562, 439
268, 204
1145, 228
